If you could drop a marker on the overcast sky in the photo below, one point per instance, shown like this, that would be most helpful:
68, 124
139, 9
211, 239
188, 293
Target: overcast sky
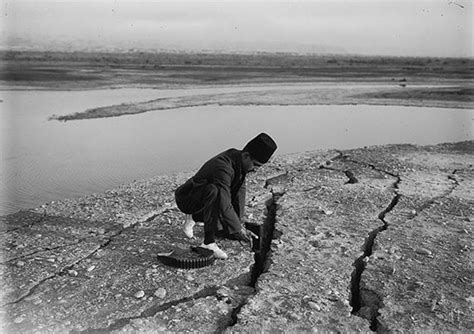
379, 27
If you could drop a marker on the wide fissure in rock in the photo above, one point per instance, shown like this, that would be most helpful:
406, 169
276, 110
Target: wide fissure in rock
366, 303
261, 249
265, 238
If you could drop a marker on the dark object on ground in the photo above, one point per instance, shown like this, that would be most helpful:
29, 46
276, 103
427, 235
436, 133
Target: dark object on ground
183, 259
352, 178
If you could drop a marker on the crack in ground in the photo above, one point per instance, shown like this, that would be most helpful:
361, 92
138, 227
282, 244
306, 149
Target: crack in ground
63, 271
25, 256
434, 199
152, 311
110, 238
366, 303
262, 254
349, 174
371, 166
364, 298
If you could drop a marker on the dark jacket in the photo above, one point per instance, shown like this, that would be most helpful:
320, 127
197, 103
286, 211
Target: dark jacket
226, 173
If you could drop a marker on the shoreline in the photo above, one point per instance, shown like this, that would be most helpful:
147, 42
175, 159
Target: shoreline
184, 174
177, 173
438, 97
180, 174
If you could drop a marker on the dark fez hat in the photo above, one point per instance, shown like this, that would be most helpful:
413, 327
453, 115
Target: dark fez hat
261, 147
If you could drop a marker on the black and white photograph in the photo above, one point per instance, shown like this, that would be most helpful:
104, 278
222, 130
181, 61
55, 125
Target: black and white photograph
293, 166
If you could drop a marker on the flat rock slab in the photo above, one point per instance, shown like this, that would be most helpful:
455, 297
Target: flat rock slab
73, 274
389, 253
322, 222
419, 277
370, 239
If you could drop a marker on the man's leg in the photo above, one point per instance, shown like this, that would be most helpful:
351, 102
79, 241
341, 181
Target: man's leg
205, 199
203, 203
189, 222
189, 226
210, 214
190, 200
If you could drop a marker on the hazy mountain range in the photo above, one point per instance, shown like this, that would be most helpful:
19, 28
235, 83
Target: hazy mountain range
24, 44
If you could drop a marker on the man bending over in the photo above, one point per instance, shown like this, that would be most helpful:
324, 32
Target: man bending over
216, 194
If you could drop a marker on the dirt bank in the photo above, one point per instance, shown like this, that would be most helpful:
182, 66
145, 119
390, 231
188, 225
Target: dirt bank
377, 238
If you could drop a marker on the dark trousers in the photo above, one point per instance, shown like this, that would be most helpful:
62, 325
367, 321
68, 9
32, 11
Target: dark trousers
202, 202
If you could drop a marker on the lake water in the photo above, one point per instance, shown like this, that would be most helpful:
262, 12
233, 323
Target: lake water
45, 160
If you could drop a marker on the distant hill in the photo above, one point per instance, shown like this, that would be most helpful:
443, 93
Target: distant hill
23, 44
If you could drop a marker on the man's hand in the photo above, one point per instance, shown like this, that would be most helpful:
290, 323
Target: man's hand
246, 236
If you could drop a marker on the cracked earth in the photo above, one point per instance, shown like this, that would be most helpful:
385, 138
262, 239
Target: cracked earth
376, 239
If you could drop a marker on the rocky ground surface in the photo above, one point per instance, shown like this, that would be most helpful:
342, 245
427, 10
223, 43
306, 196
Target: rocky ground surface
372, 239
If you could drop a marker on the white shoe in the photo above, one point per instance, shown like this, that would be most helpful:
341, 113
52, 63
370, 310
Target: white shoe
218, 253
188, 228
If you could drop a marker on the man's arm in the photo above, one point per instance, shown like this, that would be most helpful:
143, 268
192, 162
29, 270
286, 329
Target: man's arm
223, 175
239, 201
